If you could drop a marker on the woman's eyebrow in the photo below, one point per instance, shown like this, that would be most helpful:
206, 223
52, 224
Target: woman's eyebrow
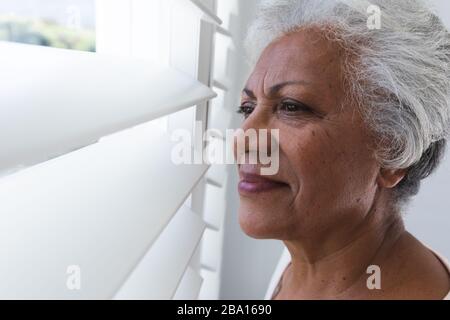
249, 93
276, 88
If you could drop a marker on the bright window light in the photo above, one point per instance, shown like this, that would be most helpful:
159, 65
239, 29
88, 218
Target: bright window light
64, 24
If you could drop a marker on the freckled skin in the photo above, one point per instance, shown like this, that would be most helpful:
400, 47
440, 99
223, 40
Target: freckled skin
333, 214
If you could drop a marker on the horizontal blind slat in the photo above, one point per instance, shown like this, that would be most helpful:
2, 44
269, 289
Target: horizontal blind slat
220, 85
210, 16
159, 273
100, 208
214, 206
55, 100
211, 249
221, 30
210, 286
190, 286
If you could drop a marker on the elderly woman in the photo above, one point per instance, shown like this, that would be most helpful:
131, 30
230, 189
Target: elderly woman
363, 116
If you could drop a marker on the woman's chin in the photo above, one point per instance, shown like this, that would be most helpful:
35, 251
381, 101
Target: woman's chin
257, 226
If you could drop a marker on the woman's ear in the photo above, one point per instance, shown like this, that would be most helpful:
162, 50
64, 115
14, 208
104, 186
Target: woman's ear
389, 178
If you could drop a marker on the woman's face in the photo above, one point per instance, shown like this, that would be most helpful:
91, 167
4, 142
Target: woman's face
327, 168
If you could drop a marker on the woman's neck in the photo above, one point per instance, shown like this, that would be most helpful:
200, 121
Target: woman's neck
337, 267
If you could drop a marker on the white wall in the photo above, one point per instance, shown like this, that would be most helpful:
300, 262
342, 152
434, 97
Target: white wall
247, 264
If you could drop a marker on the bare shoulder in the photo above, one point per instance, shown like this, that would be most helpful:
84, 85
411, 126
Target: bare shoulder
414, 272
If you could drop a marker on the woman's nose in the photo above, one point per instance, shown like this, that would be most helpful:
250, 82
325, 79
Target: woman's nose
258, 119
254, 137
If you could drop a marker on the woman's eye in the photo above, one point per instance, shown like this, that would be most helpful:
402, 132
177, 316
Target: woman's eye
292, 107
245, 109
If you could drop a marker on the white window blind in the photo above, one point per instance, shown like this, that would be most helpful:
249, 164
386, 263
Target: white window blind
59, 100
103, 193
189, 287
159, 273
100, 208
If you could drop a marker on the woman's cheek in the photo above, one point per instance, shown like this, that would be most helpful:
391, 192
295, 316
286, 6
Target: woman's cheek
307, 151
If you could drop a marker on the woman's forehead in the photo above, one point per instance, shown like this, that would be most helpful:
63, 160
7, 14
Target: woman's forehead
296, 57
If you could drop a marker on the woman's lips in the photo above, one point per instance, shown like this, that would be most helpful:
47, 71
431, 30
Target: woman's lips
251, 183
